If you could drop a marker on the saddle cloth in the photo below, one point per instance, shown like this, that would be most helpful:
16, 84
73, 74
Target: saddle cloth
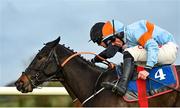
165, 74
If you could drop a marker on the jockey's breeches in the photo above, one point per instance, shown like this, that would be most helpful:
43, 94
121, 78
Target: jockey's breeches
167, 53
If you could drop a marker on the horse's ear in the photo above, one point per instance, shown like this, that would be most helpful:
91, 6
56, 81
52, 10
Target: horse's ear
54, 43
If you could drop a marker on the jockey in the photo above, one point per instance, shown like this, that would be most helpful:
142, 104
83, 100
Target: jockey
141, 41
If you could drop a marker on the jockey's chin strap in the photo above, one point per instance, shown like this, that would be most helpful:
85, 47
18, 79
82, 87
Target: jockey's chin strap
79, 53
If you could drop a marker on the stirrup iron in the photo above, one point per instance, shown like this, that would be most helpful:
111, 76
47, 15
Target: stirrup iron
115, 86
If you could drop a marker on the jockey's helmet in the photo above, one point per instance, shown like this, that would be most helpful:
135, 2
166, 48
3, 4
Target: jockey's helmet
105, 31
96, 32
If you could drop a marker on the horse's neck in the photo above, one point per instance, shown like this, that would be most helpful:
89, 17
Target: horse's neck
80, 76
69, 90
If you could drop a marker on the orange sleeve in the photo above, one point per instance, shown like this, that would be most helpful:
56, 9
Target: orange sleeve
147, 35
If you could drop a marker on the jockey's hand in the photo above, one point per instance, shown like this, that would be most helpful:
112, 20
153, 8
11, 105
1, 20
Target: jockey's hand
143, 74
111, 66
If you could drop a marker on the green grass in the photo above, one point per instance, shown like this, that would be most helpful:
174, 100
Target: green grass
35, 101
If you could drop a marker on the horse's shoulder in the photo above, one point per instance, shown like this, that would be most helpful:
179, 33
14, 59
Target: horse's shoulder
108, 75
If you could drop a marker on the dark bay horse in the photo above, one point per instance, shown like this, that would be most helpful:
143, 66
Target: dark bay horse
79, 77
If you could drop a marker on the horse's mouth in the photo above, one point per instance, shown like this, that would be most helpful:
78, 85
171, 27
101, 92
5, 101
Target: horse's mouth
23, 87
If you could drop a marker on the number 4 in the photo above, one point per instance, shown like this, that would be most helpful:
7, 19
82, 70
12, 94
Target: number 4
160, 74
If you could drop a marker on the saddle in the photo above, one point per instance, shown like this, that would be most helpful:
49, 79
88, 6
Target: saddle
155, 85
165, 74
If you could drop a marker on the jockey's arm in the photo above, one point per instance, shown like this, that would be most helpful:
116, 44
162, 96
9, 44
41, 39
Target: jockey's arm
152, 49
152, 56
109, 52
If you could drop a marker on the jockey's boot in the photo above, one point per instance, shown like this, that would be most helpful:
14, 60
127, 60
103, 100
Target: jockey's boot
128, 67
121, 86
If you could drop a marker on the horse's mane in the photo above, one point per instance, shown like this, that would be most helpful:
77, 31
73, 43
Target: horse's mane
84, 59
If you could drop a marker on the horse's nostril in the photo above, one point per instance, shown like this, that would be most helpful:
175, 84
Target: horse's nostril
19, 85
16, 83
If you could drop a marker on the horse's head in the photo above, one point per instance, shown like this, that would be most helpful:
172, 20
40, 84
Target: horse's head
44, 67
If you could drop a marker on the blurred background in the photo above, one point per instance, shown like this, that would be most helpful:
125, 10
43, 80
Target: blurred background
26, 24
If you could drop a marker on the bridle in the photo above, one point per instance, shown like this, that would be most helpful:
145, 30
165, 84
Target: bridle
35, 78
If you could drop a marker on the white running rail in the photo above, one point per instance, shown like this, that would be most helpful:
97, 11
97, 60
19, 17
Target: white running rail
37, 91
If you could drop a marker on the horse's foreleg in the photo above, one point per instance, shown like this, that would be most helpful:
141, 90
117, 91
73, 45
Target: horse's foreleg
77, 104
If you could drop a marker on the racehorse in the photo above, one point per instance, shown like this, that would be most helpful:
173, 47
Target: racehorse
79, 77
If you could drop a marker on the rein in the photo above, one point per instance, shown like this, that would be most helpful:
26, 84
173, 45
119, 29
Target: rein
79, 53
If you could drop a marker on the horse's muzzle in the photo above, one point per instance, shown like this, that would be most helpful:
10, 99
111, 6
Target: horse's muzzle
23, 85
19, 85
